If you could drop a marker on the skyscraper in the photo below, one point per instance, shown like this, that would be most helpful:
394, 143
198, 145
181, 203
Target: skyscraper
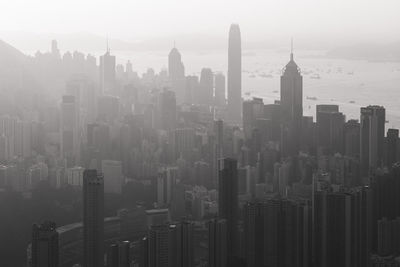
330, 126
352, 138
70, 142
93, 219
118, 255
234, 75
170, 245
332, 228
158, 246
217, 246
278, 233
206, 90
228, 203
392, 144
107, 71
252, 110
291, 107
372, 134
44, 245
176, 71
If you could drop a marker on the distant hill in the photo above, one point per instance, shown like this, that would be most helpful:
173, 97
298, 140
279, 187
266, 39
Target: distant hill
370, 52
17, 81
12, 63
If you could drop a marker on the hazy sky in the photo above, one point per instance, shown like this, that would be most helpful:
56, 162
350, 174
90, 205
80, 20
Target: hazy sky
135, 19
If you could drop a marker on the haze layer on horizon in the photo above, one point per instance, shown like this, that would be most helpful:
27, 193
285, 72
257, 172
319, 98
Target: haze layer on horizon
314, 21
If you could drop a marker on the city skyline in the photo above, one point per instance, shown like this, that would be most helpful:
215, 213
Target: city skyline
235, 157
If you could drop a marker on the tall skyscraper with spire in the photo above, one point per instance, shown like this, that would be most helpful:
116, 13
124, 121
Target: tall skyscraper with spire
234, 75
176, 72
291, 106
107, 71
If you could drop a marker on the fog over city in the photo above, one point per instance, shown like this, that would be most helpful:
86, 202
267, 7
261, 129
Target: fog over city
172, 133
311, 22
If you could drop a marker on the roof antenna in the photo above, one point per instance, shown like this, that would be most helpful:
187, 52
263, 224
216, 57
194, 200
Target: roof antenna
174, 44
291, 49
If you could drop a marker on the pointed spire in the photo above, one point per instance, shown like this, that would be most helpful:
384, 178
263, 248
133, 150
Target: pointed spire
291, 49
174, 44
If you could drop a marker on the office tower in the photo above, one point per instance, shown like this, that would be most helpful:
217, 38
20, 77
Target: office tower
388, 231
167, 110
113, 178
386, 198
192, 89
234, 75
166, 183
278, 233
70, 137
129, 69
113, 256
144, 252
361, 225
107, 72
352, 138
176, 72
158, 246
343, 224
118, 255
44, 245
93, 218
55, 52
184, 140
291, 107
392, 146
291, 92
228, 202
252, 110
206, 90
171, 245
219, 84
272, 112
217, 246
332, 229
182, 244
372, 134
330, 124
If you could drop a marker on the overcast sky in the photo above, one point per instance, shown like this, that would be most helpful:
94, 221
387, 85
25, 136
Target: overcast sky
138, 19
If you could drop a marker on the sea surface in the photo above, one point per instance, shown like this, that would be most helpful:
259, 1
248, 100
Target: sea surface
351, 84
